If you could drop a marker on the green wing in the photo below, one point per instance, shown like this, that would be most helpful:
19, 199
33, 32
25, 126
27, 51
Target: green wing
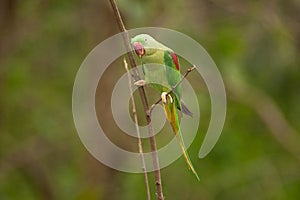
173, 74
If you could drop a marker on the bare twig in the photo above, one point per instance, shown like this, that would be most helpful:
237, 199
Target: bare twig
174, 87
125, 38
138, 132
142, 94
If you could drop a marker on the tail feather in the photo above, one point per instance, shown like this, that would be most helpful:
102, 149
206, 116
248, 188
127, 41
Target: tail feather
172, 116
185, 154
185, 109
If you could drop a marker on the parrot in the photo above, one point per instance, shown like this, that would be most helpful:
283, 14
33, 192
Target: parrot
167, 72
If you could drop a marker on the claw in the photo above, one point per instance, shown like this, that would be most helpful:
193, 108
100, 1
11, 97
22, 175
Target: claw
164, 97
171, 99
140, 83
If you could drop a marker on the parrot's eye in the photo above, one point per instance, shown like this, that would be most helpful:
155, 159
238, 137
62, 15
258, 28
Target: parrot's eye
145, 39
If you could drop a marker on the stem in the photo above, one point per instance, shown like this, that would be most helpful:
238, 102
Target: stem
142, 94
138, 132
189, 70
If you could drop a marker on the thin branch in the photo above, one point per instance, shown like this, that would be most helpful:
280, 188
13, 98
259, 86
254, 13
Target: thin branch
144, 100
138, 132
125, 36
189, 70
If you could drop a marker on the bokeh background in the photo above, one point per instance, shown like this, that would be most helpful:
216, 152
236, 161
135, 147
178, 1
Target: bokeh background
255, 45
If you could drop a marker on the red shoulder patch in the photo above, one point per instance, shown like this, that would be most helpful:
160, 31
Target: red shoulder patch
175, 60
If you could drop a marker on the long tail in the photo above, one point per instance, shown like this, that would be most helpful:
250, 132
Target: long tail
185, 154
172, 116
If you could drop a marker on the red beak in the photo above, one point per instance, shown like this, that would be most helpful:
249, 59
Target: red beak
139, 49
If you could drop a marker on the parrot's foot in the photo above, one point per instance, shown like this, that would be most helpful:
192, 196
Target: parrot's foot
140, 83
164, 97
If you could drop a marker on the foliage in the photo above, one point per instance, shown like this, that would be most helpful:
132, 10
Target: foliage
42, 44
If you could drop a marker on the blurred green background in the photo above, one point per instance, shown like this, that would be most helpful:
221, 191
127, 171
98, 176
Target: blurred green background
256, 46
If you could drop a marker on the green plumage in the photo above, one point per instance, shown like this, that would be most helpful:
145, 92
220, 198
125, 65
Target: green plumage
161, 69
173, 76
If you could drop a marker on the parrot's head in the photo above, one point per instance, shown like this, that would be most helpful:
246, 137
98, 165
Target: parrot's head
144, 44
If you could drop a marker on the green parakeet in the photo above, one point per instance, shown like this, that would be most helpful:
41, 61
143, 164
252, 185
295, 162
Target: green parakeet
163, 77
